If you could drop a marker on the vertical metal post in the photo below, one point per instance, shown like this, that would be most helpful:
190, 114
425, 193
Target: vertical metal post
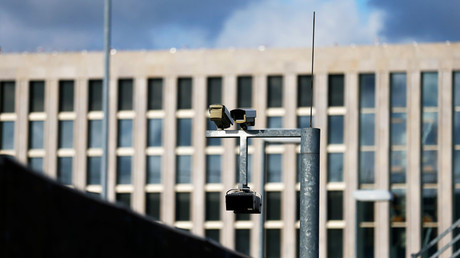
309, 193
262, 211
243, 162
105, 99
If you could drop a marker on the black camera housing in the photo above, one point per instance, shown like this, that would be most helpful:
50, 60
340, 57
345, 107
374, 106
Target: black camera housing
243, 202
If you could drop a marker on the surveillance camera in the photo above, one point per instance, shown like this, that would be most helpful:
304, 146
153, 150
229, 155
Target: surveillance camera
243, 202
220, 116
244, 117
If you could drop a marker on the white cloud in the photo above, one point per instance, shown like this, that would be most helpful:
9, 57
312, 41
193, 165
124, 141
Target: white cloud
277, 23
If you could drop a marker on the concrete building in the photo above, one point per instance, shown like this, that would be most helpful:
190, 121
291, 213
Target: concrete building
389, 117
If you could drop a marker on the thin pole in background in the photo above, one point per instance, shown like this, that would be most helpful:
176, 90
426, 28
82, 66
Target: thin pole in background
312, 65
105, 98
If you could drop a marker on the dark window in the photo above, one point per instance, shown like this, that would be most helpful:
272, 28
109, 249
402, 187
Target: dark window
184, 93
335, 205
66, 134
184, 132
125, 94
124, 199
212, 206
273, 205
367, 90
398, 90
64, 170
183, 169
429, 166
125, 133
398, 128
95, 95
214, 90
7, 97
36, 164
213, 168
37, 96
243, 241
304, 93
155, 92
124, 170
153, 169
182, 206
36, 134
275, 91
155, 132
273, 246
366, 167
212, 141
94, 134
93, 171
274, 168
335, 243
213, 234
66, 96
336, 90
430, 89
152, 205
366, 129
335, 167
7, 135
335, 130
244, 92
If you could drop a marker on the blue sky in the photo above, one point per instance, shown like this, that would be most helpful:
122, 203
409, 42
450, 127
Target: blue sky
74, 25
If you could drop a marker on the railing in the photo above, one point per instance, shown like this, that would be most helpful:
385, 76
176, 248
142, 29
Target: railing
437, 239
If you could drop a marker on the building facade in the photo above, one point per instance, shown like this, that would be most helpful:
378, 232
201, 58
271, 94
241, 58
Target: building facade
389, 119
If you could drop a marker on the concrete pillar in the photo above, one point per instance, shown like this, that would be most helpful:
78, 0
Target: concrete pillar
413, 175
351, 163
382, 161
139, 143
80, 132
51, 132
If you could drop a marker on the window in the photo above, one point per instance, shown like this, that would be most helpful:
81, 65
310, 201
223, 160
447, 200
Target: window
273, 205
125, 94
36, 134
7, 135
155, 132
275, 91
274, 122
36, 164
398, 128
183, 169
94, 134
213, 234
184, 96
153, 170
152, 202
213, 168
66, 96
212, 141
184, 132
212, 206
336, 90
182, 206
366, 167
273, 245
304, 93
274, 168
125, 133
93, 170
336, 129
123, 170
65, 134
335, 205
366, 128
95, 95
155, 94
64, 170
335, 167
335, 242
36, 96
243, 241
7, 97
214, 87
244, 91
124, 199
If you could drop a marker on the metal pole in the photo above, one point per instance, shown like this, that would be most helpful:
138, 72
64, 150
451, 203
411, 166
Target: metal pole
262, 193
105, 99
309, 193
243, 162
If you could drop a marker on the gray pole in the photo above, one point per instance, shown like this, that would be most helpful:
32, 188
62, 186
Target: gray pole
309, 193
262, 211
243, 162
105, 99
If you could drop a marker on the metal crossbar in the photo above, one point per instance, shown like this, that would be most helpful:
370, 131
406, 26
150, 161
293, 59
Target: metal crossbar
436, 240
